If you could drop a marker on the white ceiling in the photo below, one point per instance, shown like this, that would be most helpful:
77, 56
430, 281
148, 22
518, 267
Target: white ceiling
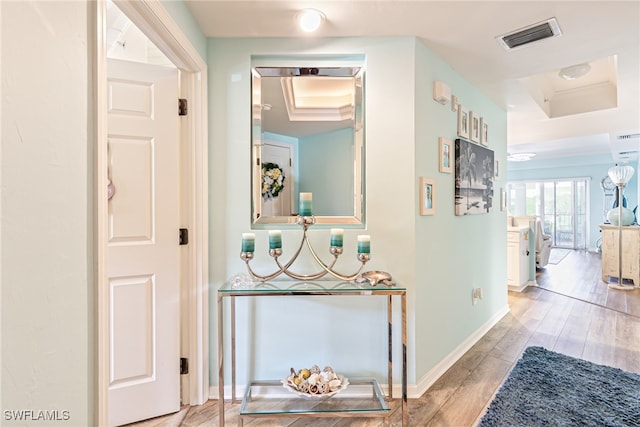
463, 34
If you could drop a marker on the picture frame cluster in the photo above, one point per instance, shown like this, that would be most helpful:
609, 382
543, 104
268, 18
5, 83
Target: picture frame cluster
472, 162
472, 126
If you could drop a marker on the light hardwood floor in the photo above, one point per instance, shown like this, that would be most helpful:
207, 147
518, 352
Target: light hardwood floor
579, 275
577, 315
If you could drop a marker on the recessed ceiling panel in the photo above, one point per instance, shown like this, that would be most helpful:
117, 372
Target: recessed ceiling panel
594, 91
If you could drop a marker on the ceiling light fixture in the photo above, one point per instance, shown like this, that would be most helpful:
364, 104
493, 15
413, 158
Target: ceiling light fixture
310, 20
520, 157
575, 71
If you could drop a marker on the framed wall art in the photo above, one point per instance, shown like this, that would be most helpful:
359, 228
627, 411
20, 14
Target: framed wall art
484, 132
474, 177
445, 155
427, 196
474, 127
463, 122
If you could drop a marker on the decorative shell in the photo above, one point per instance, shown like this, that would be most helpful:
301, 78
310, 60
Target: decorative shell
315, 384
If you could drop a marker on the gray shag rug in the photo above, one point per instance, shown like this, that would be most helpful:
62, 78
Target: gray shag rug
551, 389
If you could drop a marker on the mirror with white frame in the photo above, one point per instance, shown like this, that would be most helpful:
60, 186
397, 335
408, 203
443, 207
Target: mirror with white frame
308, 137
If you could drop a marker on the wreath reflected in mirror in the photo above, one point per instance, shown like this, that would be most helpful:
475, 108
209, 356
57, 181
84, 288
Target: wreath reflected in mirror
272, 180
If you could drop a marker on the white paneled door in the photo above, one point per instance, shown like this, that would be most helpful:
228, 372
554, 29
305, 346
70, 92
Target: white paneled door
279, 154
143, 227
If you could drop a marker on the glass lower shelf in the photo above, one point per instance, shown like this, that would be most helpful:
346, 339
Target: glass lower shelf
361, 398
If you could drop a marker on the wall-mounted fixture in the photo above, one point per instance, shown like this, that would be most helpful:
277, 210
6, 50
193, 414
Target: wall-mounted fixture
310, 20
441, 92
333, 172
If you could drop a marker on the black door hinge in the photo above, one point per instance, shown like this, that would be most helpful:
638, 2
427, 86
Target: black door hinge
184, 236
182, 107
184, 366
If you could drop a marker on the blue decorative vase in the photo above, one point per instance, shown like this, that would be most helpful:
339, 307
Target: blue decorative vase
627, 216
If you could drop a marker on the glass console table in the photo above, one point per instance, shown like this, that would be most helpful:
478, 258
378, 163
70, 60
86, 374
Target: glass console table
362, 398
315, 288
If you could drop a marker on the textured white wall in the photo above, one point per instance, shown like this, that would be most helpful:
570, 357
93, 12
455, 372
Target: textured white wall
45, 259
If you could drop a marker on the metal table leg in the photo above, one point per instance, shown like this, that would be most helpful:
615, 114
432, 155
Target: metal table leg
220, 365
405, 409
390, 344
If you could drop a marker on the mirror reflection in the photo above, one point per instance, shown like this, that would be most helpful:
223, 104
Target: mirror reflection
308, 137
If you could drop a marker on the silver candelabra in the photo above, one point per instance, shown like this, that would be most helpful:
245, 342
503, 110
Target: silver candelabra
334, 249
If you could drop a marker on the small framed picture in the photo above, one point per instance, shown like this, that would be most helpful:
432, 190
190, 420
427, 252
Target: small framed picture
496, 169
474, 127
445, 154
463, 122
427, 196
484, 132
503, 199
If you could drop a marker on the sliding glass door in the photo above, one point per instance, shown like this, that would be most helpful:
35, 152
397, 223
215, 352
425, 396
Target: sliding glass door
560, 205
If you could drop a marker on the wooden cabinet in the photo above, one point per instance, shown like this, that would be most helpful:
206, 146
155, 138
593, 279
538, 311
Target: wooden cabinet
630, 252
517, 257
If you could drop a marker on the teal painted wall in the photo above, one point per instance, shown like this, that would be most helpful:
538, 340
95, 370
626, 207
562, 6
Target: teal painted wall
592, 167
439, 258
284, 332
454, 254
329, 178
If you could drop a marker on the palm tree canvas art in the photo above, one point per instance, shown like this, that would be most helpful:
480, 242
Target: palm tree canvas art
474, 178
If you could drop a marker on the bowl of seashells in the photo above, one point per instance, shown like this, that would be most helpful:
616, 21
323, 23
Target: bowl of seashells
314, 383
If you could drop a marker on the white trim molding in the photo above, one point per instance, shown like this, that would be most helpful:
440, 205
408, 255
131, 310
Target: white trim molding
437, 371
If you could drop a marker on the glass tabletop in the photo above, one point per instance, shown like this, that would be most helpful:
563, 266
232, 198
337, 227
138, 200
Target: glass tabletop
244, 285
272, 398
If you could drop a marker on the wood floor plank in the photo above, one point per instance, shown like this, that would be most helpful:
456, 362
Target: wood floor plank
573, 336
473, 395
601, 338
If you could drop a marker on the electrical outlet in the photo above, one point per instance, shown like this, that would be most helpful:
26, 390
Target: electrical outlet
476, 294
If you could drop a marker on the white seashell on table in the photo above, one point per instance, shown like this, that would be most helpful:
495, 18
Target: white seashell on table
313, 383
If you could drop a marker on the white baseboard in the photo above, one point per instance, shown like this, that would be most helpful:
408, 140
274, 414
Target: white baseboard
413, 390
522, 287
437, 371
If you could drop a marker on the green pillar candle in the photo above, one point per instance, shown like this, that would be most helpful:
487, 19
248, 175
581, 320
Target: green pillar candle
364, 244
336, 237
275, 239
248, 242
306, 204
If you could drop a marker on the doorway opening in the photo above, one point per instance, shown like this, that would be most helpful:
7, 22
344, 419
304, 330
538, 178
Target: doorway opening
561, 205
173, 47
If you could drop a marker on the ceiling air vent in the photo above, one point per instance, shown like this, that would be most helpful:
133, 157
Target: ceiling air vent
531, 34
625, 147
628, 137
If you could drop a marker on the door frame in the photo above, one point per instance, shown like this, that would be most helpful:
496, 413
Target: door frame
154, 21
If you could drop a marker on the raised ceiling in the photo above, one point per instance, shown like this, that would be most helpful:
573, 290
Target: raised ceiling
588, 113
